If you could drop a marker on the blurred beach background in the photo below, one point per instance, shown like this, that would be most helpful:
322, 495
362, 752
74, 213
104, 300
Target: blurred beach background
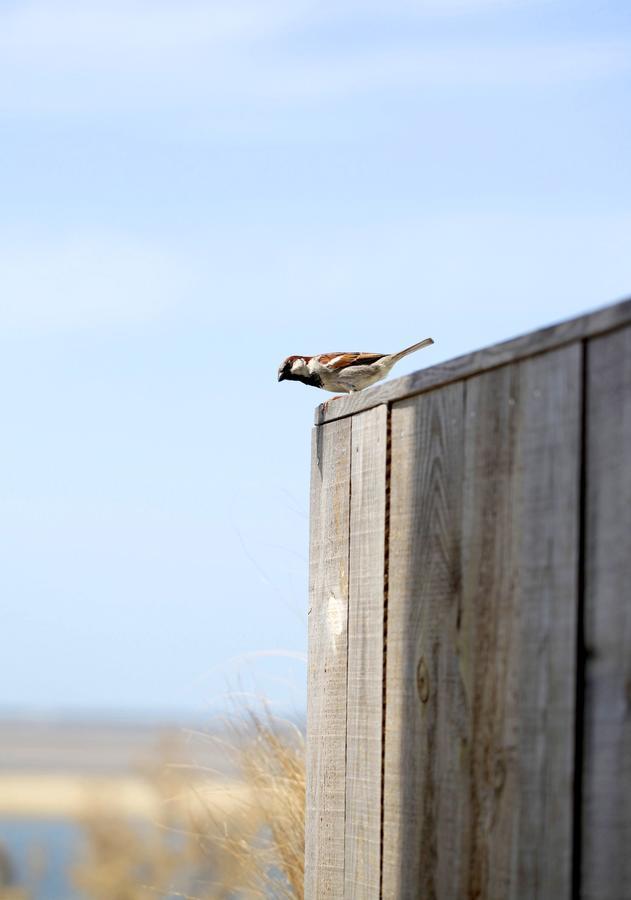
133, 810
190, 192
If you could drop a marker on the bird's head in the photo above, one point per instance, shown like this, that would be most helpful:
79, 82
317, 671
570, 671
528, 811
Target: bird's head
292, 368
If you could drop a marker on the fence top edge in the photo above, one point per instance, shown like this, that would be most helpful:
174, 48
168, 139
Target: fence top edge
552, 337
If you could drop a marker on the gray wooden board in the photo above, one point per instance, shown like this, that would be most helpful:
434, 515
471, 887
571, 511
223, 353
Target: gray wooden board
554, 337
423, 600
606, 825
365, 654
328, 623
480, 679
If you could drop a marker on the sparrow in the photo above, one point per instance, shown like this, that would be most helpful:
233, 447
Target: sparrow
343, 372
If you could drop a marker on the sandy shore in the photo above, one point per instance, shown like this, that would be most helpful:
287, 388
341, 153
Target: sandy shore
42, 795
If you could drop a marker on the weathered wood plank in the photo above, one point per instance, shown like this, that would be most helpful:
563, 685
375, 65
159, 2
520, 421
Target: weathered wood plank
518, 634
423, 806
365, 654
482, 624
606, 820
545, 340
328, 623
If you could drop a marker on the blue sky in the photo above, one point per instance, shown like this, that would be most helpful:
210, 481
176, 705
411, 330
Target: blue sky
191, 191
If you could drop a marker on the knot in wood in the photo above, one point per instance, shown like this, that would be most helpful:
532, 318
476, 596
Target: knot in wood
499, 773
422, 680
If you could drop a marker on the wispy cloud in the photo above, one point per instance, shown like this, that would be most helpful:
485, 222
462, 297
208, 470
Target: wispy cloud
82, 281
101, 28
447, 66
122, 57
94, 31
99, 280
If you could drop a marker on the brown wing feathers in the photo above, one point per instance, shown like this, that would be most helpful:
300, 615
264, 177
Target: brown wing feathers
343, 360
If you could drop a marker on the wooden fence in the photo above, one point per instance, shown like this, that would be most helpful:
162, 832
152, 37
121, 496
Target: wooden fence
469, 712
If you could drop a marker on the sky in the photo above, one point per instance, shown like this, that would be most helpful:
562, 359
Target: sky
191, 191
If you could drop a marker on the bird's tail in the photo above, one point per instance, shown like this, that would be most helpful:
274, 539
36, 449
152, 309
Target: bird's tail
426, 343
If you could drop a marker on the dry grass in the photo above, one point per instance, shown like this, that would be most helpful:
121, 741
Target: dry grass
196, 834
272, 763
211, 842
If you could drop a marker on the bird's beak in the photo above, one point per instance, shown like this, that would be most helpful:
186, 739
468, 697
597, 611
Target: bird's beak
281, 377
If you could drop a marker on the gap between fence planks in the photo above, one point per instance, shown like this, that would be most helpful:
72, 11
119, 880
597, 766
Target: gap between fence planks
365, 655
606, 819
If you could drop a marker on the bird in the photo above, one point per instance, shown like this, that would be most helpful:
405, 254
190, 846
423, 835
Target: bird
343, 372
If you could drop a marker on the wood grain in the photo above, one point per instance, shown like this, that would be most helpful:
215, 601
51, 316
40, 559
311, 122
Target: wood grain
606, 821
365, 654
425, 701
543, 341
480, 678
518, 630
328, 623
